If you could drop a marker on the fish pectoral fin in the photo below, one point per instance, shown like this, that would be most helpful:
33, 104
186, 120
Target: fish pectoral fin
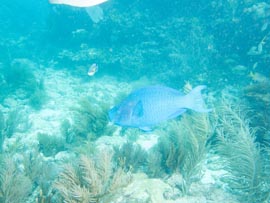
138, 110
146, 129
177, 113
95, 13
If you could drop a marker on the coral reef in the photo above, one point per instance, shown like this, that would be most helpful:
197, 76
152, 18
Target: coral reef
38, 97
66, 131
11, 123
21, 80
50, 145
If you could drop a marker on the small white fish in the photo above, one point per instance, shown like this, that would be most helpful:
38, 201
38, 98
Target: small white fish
258, 50
78, 31
93, 69
264, 26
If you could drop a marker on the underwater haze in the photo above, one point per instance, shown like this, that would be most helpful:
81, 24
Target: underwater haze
98, 104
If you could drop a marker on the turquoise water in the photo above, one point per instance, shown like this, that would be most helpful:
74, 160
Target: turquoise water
57, 143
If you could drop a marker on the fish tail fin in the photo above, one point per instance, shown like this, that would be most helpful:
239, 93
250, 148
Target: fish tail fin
196, 101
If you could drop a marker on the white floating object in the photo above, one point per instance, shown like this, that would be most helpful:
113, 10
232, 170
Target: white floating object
95, 12
93, 69
78, 3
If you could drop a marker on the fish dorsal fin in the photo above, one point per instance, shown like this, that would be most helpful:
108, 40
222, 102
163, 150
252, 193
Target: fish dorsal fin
138, 109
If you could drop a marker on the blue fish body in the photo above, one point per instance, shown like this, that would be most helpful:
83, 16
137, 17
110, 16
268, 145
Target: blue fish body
146, 107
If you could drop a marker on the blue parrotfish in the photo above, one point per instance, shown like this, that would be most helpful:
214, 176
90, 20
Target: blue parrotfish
149, 106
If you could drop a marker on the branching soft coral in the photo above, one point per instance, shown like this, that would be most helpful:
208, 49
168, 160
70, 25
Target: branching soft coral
243, 158
91, 179
15, 186
89, 120
183, 147
258, 96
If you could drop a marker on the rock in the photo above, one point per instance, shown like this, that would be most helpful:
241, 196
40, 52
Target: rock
147, 141
142, 190
105, 142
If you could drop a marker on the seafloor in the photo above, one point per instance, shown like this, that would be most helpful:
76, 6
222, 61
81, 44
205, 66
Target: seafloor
63, 94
